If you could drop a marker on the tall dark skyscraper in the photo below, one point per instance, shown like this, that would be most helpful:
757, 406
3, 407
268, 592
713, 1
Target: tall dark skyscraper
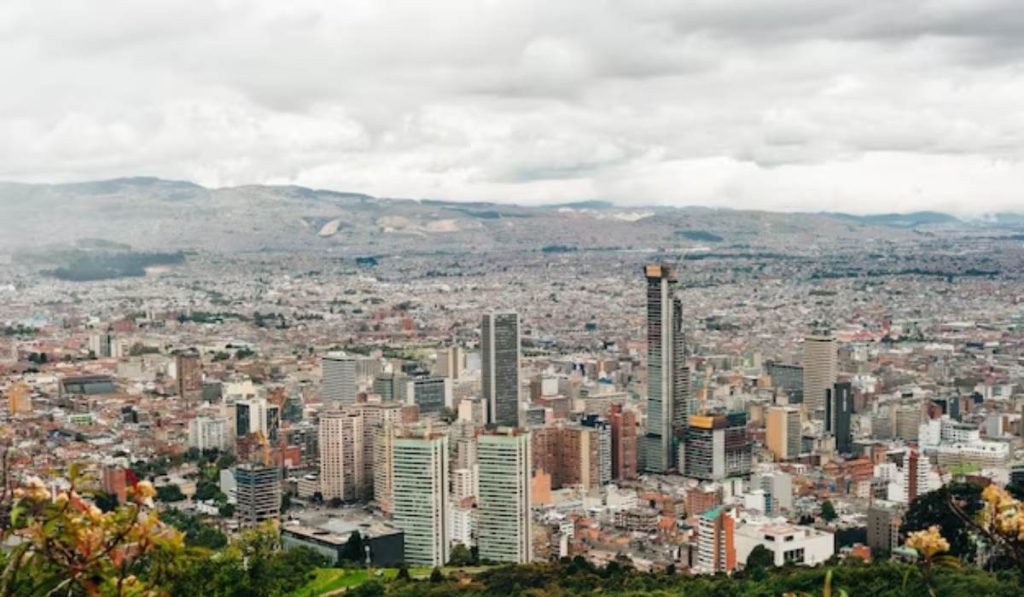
838, 412
499, 355
668, 379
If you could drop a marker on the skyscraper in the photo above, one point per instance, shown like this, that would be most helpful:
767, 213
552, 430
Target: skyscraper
838, 412
821, 363
499, 355
339, 379
420, 495
342, 472
782, 433
504, 501
623, 425
189, 370
668, 378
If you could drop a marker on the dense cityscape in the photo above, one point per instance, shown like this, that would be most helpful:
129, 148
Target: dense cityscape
517, 298
669, 412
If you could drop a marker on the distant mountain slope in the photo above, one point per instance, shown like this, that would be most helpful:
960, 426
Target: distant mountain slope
154, 214
907, 220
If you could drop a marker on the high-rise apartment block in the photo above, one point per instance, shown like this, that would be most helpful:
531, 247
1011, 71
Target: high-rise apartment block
504, 518
569, 453
668, 379
420, 498
716, 551
342, 453
883, 528
499, 356
624, 443
208, 433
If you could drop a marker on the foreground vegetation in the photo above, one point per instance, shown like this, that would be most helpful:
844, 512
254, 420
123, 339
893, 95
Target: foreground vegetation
61, 543
576, 577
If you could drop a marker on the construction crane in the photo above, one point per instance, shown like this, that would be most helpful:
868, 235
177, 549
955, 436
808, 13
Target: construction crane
265, 446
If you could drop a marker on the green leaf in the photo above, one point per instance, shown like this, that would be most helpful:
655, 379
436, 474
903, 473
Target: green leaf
16, 513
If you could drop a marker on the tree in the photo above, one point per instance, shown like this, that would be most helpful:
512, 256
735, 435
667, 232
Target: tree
352, 551
106, 502
760, 558
197, 532
209, 491
286, 502
226, 510
934, 509
460, 556
448, 415
828, 511
403, 572
436, 576
169, 493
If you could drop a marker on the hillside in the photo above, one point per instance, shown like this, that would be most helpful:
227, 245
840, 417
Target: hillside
152, 214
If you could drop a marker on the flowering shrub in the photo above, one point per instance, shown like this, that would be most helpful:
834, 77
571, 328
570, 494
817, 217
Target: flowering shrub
63, 544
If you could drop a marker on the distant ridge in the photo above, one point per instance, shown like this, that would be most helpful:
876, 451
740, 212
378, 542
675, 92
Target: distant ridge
153, 214
897, 220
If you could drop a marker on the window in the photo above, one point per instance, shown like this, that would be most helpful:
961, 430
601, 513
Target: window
794, 555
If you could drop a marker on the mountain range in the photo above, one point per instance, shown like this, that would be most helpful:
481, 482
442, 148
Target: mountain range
155, 214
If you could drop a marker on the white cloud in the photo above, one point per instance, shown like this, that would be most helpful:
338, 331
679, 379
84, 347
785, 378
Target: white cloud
793, 104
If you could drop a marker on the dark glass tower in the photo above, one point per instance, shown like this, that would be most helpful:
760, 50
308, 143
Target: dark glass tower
499, 356
838, 412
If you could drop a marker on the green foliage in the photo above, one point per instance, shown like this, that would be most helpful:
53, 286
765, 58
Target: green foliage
828, 511
84, 266
139, 349
760, 558
206, 490
577, 577
933, 508
197, 532
169, 493
107, 502
461, 556
353, 550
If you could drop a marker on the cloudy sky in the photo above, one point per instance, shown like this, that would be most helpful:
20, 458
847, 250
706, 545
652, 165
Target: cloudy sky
798, 105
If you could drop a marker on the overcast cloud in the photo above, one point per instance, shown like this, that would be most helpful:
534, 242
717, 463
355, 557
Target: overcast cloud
813, 105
